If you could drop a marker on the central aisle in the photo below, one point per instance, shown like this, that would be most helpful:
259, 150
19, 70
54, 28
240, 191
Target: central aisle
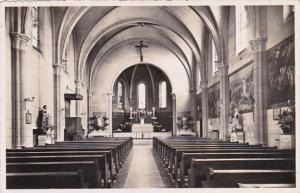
142, 169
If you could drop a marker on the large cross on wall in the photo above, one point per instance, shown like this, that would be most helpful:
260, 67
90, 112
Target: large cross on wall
140, 47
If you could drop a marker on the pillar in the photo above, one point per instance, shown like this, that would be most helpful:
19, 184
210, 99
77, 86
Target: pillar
204, 101
224, 101
109, 112
19, 45
258, 46
174, 131
194, 111
57, 103
89, 113
77, 102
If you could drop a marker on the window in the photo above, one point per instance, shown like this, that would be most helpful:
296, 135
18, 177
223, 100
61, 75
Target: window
241, 28
142, 96
120, 95
35, 27
163, 94
214, 58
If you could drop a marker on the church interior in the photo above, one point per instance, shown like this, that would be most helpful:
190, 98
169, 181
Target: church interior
149, 97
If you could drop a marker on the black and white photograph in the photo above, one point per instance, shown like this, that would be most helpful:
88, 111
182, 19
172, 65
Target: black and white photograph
149, 95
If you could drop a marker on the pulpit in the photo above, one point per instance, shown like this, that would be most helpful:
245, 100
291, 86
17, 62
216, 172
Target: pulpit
73, 130
73, 127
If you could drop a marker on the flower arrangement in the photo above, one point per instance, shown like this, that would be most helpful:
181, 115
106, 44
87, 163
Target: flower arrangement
287, 120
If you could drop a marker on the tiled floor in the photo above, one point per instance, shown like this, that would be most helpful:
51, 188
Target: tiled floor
141, 169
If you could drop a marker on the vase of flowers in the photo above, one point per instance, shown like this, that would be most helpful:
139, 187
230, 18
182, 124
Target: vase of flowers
286, 122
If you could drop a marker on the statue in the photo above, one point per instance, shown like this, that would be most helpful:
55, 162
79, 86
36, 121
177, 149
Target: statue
43, 120
236, 126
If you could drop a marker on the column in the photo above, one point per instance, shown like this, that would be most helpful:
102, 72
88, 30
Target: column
19, 45
109, 112
174, 114
204, 101
224, 100
194, 111
57, 103
258, 46
89, 108
77, 102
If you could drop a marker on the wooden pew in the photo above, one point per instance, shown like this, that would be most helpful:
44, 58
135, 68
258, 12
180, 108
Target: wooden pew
112, 157
185, 164
39, 180
231, 178
277, 185
52, 152
101, 160
201, 167
172, 159
90, 170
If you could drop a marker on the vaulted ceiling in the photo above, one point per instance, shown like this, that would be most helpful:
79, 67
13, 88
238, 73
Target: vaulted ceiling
99, 31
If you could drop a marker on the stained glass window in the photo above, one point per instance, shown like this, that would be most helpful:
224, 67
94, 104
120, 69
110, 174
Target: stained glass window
142, 96
163, 94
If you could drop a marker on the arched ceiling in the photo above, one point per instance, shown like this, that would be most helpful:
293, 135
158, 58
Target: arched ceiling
98, 31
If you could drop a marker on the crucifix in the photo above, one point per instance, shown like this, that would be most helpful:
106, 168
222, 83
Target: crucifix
140, 47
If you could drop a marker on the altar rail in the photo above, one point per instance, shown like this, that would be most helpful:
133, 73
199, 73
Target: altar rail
146, 135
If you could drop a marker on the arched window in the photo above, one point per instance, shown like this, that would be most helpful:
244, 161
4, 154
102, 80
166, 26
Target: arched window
142, 96
35, 27
241, 28
120, 95
163, 94
214, 58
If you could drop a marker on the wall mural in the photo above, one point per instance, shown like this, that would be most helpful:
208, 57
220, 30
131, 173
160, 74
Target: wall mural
281, 72
214, 101
241, 90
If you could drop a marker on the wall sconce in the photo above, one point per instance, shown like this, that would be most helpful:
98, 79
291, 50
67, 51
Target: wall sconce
28, 100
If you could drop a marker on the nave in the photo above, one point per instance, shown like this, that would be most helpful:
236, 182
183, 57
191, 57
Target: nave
173, 162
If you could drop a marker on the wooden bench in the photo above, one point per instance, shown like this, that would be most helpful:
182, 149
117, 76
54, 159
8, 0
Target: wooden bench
52, 152
90, 170
185, 163
174, 158
101, 160
231, 178
201, 167
277, 185
39, 180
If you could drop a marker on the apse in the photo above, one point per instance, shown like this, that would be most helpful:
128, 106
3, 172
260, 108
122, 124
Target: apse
142, 91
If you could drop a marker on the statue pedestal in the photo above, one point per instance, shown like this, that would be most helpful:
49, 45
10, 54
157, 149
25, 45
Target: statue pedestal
42, 139
287, 141
237, 136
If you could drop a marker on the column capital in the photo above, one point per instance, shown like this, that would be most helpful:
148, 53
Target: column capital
173, 96
57, 69
19, 40
64, 63
193, 90
57, 66
258, 43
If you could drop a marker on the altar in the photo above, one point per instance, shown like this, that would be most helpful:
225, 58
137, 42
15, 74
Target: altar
142, 128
